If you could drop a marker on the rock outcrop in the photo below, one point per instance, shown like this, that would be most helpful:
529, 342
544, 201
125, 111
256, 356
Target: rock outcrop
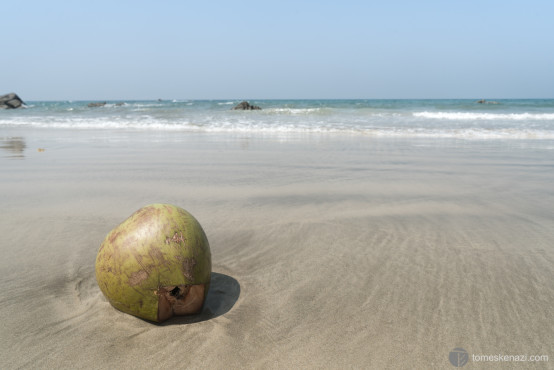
10, 101
93, 105
483, 101
246, 106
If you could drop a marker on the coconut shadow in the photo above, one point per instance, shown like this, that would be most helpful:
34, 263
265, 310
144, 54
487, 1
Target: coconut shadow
222, 296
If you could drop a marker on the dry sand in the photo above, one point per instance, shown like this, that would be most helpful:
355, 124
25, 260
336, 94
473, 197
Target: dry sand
327, 252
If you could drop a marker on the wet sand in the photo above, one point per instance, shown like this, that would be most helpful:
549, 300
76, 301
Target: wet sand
328, 252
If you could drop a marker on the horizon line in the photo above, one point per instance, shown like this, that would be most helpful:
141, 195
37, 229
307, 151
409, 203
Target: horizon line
282, 99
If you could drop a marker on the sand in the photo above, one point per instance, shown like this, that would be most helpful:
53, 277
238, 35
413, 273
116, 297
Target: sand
328, 252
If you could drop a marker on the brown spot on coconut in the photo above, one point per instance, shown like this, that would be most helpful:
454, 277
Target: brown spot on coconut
156, 264
138, 277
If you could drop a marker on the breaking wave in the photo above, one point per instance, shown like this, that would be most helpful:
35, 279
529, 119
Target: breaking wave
486, 116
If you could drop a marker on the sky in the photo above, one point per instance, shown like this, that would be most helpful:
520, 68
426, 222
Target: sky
117, 49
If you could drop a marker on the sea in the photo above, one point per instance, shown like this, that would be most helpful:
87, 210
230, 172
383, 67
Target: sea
469, 119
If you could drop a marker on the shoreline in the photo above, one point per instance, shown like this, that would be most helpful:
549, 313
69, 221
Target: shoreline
399, 119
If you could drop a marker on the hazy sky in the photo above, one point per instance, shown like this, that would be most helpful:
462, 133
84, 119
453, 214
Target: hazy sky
54, 50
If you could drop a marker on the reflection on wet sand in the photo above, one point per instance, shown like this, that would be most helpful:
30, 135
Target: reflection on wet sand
15, 146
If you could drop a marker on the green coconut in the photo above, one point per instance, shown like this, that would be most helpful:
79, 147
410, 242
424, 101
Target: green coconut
156, 264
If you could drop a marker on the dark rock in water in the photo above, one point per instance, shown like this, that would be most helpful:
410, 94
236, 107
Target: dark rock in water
10, 101
483, 101
246, 106
94, 105
119, 104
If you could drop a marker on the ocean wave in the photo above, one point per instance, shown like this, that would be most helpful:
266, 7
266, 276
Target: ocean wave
145, 105
297, 111
243, 126
486, 116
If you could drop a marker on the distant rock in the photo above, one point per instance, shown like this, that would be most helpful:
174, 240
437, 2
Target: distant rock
483, 101
10, 101
246, 106
94, 105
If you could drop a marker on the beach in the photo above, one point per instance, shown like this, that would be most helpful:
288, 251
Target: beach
328, 251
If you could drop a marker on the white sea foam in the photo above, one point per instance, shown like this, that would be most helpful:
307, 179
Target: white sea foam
230, 124
486, 116
145, 105
296, 111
